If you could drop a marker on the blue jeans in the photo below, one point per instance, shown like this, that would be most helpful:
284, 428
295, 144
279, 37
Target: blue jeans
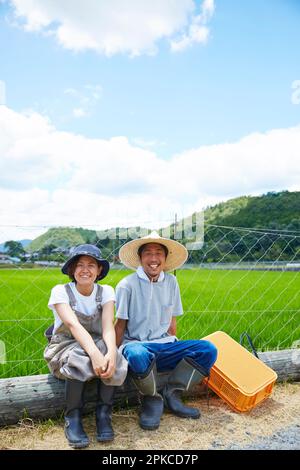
168, 355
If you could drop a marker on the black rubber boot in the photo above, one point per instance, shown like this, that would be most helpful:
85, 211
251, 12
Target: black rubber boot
151, 411
152, 403
74, 431
105, 431
186, 374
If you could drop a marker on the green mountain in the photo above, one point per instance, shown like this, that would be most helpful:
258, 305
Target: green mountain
62, 237
272, 211
273, 220
276, 211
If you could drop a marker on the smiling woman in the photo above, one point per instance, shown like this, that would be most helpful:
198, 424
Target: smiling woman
83, 344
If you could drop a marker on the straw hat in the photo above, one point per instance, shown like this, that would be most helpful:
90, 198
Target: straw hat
177, 253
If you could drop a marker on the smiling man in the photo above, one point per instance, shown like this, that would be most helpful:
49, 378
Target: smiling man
148, 303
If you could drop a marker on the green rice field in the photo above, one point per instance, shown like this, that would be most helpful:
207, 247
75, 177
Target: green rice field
265, 304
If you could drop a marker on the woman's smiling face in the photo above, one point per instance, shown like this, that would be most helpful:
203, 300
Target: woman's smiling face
87, 270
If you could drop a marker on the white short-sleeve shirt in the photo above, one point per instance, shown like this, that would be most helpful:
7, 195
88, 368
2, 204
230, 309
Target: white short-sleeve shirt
85, 304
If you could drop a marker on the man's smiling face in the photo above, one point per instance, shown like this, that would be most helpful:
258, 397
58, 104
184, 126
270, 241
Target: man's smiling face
153, 260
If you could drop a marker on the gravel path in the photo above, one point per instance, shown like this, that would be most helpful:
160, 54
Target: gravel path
284, 439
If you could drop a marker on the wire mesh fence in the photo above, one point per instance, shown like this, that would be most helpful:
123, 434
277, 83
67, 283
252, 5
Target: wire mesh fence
237, 280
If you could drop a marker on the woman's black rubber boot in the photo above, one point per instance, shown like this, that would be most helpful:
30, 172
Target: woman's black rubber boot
74, 431
104, 407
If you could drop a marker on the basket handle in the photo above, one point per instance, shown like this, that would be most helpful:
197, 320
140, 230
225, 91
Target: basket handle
245, 334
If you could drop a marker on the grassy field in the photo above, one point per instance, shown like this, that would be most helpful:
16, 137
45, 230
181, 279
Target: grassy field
265, 304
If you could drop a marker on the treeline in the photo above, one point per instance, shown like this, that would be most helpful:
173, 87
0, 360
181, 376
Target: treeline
273, 221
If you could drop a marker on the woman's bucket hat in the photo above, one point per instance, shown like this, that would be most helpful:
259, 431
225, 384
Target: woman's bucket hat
87, 250
177, 253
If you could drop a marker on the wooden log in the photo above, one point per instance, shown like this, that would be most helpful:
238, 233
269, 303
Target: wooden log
286, 363
42, 396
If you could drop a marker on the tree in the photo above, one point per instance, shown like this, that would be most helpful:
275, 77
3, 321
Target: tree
47, 249
14, 249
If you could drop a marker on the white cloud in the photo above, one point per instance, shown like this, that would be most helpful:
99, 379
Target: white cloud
257, 163
198, 31
29, 213
295, 98
50, 177
147, 144
31, 150
109, 27
86, 99
79, 113
208, 8
35, 154
88, 95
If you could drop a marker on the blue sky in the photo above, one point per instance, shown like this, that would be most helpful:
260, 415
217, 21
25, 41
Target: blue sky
210, 85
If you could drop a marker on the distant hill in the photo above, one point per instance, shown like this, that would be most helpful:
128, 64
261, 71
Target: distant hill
66, 237
277, 211
62, 237
274, 211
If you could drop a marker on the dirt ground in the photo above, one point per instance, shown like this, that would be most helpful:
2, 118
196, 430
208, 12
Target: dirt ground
219, 427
